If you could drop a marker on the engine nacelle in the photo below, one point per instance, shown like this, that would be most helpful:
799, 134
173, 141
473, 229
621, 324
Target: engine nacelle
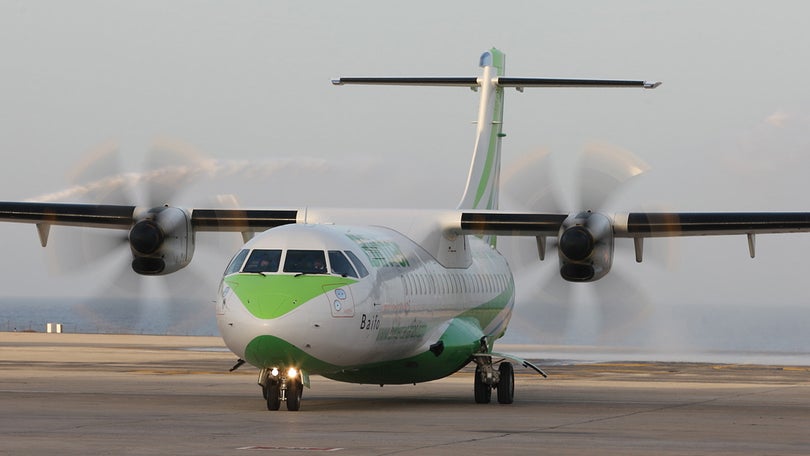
585, 247
161, 241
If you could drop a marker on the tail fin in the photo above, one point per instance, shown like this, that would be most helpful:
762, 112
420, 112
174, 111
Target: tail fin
484, 178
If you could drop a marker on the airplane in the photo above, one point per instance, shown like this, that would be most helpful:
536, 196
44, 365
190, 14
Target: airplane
390, 296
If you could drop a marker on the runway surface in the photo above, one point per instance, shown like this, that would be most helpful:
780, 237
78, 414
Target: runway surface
110, 394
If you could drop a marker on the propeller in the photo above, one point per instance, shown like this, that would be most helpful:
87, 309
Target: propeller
172, 171
163, 302
610, 310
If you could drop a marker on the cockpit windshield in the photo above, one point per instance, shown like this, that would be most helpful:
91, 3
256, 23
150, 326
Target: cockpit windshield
236, 262
263, 261
305, 262
340, 264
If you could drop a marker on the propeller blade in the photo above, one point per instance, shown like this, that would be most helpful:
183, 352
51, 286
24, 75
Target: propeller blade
625, 310
543, 304
169, 167
528, 183
557, 311
74, 249
603, 170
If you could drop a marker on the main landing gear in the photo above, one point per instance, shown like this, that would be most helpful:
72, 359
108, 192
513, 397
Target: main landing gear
278, 387
502, 380
487, 379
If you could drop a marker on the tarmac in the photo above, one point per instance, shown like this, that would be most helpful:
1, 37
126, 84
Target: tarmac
121, 394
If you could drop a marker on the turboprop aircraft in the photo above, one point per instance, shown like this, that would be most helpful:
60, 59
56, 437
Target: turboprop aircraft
389, 296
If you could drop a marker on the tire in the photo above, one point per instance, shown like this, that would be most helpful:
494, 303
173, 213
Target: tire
295, 390
483, 392
272, 393
506, 384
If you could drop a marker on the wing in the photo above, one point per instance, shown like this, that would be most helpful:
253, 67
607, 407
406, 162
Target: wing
45, 215
585, 240
161, 239
640, 224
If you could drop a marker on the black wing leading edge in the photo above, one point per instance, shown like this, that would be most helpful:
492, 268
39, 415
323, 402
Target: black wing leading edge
44, 215
640, 225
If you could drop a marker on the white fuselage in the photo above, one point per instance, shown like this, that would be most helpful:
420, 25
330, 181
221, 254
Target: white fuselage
404, 303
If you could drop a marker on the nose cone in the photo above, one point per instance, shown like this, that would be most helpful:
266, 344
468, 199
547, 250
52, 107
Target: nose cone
284, 309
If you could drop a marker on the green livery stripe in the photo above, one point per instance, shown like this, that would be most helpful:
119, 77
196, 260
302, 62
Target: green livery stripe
460, 340
492, 152
498, 60
271, 351
272, 296
486, 313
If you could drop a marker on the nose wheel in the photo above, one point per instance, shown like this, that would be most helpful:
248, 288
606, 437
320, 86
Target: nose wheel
272, 393
278, 388
294, 392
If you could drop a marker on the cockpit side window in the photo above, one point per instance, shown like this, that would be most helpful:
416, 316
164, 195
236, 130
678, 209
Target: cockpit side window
236, 262
357, 263
263, 261
305, 261
340, 264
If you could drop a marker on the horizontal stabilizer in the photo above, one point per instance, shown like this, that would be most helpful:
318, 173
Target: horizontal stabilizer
555, 82
423, 81
501, 81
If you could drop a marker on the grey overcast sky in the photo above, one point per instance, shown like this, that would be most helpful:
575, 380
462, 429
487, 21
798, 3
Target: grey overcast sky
248, 81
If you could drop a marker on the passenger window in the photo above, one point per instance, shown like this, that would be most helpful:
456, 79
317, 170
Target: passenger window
305, 261
357, 263
236, 262
263, 261
340, 264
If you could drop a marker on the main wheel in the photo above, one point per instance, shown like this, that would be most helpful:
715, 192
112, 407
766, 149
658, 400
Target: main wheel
483, 392
506, 384
295, 389
272, 392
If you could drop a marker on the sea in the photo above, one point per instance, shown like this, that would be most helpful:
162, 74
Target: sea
190, 317
753, 335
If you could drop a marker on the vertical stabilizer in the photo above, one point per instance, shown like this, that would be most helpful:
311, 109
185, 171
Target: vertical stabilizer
484, 177
483, 180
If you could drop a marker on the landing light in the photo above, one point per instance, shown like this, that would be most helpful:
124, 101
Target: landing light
292, 373
274, 372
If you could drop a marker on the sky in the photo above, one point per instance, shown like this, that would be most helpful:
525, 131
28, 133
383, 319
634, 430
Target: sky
246, 84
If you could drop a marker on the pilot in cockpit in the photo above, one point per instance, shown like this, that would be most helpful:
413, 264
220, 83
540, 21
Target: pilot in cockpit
318, 266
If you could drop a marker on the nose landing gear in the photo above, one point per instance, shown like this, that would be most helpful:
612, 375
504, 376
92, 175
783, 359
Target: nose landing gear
278, 387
